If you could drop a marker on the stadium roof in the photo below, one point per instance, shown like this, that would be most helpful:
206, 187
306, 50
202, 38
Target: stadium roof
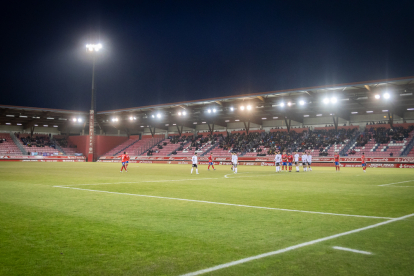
294, 104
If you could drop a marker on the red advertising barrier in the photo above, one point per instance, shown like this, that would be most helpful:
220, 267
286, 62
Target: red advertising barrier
42, 158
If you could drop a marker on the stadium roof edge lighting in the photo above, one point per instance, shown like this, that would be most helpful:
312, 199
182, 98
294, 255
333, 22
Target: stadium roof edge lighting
269, 93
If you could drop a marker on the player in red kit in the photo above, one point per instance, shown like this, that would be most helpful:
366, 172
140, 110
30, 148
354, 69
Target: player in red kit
363, 164
124, 158
336, 158
284, 161
127, 162
290, 160
210, 162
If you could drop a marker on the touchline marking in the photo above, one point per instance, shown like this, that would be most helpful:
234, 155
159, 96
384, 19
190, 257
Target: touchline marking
352, 250
396, 183
245, 260
113, 183
221, 203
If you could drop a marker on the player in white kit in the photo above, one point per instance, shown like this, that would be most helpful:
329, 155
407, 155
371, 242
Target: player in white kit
296, 157
195, 163
309, 160
304, 161
278, 160
234, 160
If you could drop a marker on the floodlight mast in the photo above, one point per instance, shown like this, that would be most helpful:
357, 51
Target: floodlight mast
93, 48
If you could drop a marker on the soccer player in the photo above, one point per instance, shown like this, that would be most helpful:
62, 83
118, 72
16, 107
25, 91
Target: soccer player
290, 160
363, 164
195, 162
304, 161
296, 156
284, 161
210, 162
127, 162
124, 159
234, 160
336, 158
309, 160
278, 160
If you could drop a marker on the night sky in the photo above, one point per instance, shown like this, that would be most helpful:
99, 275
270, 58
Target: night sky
167, 51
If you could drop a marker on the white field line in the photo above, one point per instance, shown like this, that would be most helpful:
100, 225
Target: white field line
352, 250
245, 260
396, 183
227, 204
403, 186
149, 181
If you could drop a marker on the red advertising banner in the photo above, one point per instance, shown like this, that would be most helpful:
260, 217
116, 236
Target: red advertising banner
39, 157
91, 135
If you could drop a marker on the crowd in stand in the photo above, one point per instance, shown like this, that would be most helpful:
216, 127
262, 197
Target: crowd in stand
3, 140
63, 142
382, 135
36, 141
285, 141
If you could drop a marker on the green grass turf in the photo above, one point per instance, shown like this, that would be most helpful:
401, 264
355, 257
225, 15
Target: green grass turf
46, 230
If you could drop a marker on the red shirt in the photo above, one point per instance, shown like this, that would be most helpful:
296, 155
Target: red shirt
336, 157
210, 159
363, 159
284, 157
124, 157
290, 158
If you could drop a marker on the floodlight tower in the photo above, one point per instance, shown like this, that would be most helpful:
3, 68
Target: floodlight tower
93, 49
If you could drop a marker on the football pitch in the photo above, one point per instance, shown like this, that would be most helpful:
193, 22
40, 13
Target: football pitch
158, 219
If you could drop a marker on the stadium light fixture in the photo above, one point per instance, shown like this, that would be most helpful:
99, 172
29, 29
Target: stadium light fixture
179, 113
153, 116
326, 101
36, 125
387, 95
385, 110
8, 123
231, 109
19, 124
302, 102
79, 120
214, 110
55, 126
242, 107
289, 104
318, 115
94, 47
410, 109
74, 119
264, 118
237, 120
45, 125
354, 112
334, 100
249, 107
377, 96
184, 113
275, 118
22, 116
158, 115
370, 111
305, 115
131, 118
282, 104
209, 110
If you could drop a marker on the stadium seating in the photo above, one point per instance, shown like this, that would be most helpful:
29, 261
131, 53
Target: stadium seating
39, 143
7, 146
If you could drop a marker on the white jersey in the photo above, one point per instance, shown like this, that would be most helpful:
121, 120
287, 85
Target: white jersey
310, 158
278, 158
234, 159
304, 158
296, 157
194, 159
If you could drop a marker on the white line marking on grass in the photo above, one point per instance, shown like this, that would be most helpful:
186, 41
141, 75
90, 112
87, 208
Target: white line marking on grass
149, 181
396, 183
245, 260
221, 203
352, 250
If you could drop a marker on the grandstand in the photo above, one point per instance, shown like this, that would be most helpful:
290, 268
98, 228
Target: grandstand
8, 146
374, 117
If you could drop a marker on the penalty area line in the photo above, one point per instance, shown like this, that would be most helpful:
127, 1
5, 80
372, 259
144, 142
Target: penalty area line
222, 203
396, 183
351, 250
290, 248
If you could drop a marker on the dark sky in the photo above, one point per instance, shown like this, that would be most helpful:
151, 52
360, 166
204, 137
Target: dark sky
167, 51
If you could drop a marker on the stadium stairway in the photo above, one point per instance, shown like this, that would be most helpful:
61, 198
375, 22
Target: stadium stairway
350, 144
128, 145
409, 146
210, 149
58, 147
18, 144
